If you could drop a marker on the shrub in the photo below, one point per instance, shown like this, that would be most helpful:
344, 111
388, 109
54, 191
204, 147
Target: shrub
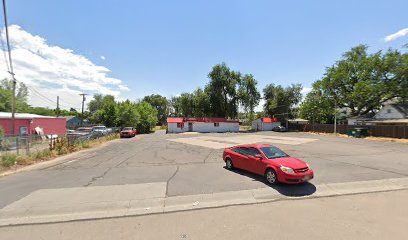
8, 160
1, 131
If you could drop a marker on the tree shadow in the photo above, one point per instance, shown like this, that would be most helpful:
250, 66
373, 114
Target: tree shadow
289, 190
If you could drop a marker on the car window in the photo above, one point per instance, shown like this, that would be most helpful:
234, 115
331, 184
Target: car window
253, 151
273, 152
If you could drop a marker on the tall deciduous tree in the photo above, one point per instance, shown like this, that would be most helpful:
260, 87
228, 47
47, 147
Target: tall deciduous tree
148, 117
160, 103
248, 93
6, 94
280, 102
127, 114
222, 91
362, 82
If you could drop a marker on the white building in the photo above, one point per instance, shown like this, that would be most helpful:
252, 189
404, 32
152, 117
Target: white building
390, 113
265, 124
393, 111
204, 125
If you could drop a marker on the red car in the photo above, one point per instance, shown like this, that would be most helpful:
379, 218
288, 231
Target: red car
128, 132
269, 161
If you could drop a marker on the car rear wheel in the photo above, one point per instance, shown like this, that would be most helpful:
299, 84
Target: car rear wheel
228, 164
270, 176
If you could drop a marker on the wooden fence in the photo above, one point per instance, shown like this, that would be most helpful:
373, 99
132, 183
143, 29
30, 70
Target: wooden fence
373, 130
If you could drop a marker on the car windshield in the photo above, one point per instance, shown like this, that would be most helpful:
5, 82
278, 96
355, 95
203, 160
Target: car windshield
99, 128
127, 129
273, 152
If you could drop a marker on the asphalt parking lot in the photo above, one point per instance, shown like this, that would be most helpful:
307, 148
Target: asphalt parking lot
192, 163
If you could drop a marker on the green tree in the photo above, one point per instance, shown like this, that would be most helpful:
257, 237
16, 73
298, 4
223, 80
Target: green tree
96, 103
317, 109
6, 87
281, 102
160, 103
248, 94
222, 91
362, 82
127, 114
148, 117
201, 103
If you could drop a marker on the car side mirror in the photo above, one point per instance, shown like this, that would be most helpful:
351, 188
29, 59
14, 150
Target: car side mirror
258, 156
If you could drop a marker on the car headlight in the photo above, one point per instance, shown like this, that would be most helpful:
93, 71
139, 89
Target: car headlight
286, 169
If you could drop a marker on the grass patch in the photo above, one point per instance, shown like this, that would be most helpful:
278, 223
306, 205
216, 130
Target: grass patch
8, 160
61, 147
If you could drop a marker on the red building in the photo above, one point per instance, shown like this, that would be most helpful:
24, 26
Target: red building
26, 124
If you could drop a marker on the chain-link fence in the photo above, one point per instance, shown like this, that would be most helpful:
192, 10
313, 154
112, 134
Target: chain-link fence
27, 144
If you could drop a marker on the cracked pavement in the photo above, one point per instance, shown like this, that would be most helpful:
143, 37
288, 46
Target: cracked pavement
190, 169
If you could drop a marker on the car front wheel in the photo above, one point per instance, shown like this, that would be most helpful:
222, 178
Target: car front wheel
270, 176
228, 164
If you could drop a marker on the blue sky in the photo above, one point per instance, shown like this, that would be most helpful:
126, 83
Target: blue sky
168, 47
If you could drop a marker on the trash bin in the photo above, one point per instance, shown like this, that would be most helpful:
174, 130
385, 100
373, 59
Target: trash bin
358, 132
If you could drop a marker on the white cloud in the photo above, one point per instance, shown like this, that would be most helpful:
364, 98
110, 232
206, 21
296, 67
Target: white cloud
103, 57
396, 35
52, 71
123, 87
305, 91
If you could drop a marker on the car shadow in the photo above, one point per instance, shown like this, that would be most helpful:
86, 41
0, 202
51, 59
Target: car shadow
289, 190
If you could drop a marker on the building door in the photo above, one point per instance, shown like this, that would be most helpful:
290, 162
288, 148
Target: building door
190, 127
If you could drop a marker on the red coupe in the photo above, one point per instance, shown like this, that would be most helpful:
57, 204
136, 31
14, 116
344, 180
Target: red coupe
268, 161
128, 132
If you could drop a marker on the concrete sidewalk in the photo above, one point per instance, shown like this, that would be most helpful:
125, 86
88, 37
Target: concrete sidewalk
363, 216
61, 205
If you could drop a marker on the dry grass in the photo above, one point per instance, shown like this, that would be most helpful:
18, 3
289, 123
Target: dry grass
13, 161
398, 140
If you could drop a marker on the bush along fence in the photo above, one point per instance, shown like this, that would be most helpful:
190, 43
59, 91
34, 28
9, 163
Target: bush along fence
391, 131
14, 153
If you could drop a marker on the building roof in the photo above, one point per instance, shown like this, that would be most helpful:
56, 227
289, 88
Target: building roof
269, 120
298, 120
209, 120
7, 115
402, 108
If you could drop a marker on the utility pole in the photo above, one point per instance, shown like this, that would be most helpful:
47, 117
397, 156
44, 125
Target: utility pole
335, 118
58, 110
82, 112
13, 105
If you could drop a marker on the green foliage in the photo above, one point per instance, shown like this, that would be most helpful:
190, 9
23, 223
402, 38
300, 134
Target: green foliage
127, 114
160, 103
8, 160
1, 131
222, 91
280, 102
6, 87
248, 93
360, 82
317, 108
148, 117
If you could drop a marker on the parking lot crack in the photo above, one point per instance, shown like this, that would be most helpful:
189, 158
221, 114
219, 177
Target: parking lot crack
168, 181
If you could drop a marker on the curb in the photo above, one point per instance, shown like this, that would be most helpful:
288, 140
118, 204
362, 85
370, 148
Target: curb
159, 205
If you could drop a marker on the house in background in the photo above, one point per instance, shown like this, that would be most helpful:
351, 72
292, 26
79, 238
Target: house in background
204, 125
73, 121
265, 124
27, 124
389, 114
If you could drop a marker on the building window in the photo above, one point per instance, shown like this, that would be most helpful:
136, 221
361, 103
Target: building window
388, 110
216, 124
179, 125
